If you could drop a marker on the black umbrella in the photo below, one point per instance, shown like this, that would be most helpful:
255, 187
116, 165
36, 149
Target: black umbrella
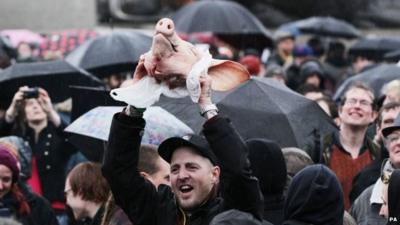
87, 98
262, 108
375, 48
324, 26
90, 131
228, 20
113, 53
393, 56
375, 78
53, 76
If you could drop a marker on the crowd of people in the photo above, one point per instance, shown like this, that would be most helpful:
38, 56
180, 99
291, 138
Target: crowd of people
351, 177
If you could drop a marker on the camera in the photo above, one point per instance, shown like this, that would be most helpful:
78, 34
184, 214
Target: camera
31, 93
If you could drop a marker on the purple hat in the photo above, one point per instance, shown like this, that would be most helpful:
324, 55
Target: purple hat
7, 159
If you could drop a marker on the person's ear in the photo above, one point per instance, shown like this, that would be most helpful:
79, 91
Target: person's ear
147, 176
216, 171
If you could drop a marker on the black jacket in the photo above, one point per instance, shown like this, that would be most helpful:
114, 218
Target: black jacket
145, 205
52, 153
268, 165
41, 211
394, 194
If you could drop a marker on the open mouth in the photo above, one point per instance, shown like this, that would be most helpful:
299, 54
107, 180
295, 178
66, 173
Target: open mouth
356, 114
185, 188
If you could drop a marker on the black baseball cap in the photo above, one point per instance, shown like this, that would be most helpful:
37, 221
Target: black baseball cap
198, 143
396, 126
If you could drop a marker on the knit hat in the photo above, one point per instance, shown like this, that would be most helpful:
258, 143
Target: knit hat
252, 64
8, 160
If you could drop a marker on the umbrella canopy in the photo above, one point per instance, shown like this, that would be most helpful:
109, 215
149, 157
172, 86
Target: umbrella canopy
262, 108
113, 53
18, 36
228, 20
324, 26
393, 56
53, 76
375, 48
87, 98
374, 78
91, 130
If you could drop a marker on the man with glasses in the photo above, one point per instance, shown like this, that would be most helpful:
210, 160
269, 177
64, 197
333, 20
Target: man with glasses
366, 207
350, 150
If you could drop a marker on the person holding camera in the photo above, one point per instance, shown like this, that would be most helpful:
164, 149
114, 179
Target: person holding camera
32, 117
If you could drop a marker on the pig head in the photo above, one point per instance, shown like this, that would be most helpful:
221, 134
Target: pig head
170, 57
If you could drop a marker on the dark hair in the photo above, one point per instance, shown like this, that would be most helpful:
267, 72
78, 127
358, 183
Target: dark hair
307, 88
363, 86
87, 180
148, 157
386, 107
331, 105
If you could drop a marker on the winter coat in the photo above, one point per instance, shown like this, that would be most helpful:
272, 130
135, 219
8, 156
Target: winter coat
145, 205
393, 198
366, 213
268, 165
314, 197
52, 152
41, 211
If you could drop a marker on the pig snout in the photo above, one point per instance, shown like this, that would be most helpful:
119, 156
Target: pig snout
165, 26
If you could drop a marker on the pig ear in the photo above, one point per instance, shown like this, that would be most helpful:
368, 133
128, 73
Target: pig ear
227, 74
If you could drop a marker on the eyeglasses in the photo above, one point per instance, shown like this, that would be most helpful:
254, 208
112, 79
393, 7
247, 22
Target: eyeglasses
392, 138
353, 101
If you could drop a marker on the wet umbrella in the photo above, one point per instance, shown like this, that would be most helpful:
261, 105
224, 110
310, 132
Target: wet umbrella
375, 48
323, 26
90, 131
262, 108
53, 76
392, 56
87, 98
228, 20
113, 53
375, 78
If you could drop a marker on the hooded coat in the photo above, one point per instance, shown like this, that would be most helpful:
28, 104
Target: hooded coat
268, 165
314, 197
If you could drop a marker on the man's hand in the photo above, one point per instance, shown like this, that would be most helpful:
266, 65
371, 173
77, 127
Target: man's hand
205, 95
207, 108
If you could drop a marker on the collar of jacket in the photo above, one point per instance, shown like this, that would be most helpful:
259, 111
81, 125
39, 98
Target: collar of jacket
376, 194
333, 139
200, 212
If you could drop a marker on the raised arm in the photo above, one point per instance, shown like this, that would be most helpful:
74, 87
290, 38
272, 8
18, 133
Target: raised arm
133, 193
240, 189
